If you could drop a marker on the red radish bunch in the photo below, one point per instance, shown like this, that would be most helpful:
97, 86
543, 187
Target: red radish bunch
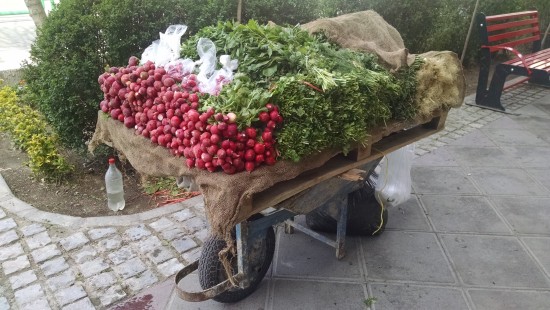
165, 108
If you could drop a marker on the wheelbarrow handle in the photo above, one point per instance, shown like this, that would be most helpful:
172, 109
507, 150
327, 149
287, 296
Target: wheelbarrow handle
204, 294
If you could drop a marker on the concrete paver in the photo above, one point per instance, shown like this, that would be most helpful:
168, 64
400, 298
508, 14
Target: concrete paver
540, 248
302, 257
141, 281
399, 296
60, 281
424, 260
17, 264
476, 156
493, 261
461, 191
289, 294
8, 237
527, 218
506, 181
409, 216
70, 294
441, 180
74, 241
467, 239
54, 266
474, 235
506, 299
82, 304
20, 280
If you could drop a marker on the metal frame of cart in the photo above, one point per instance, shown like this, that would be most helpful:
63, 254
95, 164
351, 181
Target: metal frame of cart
335, 180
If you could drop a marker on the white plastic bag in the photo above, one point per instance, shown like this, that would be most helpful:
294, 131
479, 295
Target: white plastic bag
167, 49
207, 53
187, 182
211, 80
179, 68
220, 77
393, 186
228, 66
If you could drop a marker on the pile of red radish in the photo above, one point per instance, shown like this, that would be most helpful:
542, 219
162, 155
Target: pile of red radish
165, 109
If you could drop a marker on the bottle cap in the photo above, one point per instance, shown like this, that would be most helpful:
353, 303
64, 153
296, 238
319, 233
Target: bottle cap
111, 160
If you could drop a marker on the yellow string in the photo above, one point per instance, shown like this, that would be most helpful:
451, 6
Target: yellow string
378, 195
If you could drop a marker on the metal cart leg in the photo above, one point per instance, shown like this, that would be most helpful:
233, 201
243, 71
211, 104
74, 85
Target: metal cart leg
341, 230
242, 249
340, 243
288, 228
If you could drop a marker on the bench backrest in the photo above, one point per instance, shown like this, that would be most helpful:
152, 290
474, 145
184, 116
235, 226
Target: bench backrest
510, 30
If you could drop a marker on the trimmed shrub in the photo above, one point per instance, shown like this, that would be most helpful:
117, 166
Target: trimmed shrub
73, 47
29, 131
81, 38
281, 12
442, 25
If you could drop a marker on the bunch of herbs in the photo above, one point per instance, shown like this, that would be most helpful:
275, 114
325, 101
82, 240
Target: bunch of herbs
329, 96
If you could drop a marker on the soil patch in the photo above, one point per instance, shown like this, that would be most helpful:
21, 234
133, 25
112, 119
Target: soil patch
84, 193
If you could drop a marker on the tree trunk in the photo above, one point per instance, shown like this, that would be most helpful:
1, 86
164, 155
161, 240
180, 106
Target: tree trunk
469, 33
239, 10
36, 11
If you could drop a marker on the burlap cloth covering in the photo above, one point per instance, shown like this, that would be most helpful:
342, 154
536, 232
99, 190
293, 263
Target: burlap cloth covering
441, 82
224, 195
365, 31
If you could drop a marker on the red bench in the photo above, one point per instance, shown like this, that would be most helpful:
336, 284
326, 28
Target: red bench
507, 32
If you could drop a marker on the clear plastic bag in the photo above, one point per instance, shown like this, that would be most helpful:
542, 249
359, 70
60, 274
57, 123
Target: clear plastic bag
179, 68
150, 53
225, 74
211, 80
393, 186
187, 183
167, 48
207, 53
220, 77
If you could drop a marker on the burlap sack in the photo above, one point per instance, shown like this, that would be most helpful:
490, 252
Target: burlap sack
365, 31
224, 194
441, 82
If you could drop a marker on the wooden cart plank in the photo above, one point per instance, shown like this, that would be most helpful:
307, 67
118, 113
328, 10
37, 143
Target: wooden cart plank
435, 121
315, 196
339, 165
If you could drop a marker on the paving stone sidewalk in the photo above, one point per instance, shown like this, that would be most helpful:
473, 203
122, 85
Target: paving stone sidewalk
474, 234
91, 263
50, 261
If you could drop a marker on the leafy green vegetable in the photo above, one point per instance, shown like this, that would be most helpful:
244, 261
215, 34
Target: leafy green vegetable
329, 97
241, 97
264, 52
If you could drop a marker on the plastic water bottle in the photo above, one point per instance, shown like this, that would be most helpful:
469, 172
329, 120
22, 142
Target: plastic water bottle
115, 190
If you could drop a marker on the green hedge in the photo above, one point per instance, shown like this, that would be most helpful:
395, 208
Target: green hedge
81, 37
29, 131
77, 41
442, 25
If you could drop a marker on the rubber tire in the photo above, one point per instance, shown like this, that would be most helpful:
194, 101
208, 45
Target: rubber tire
211, 271
363, 218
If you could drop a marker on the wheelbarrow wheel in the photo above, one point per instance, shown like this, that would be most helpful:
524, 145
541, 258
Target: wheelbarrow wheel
211, 271
366, 217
